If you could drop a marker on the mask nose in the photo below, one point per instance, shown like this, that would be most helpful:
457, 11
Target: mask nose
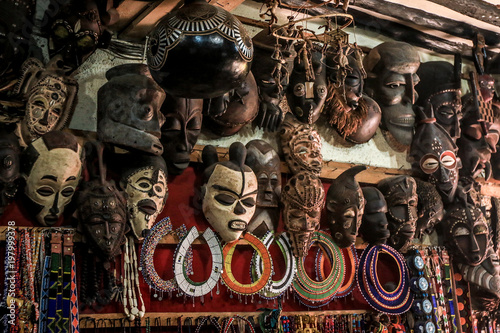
239, 209
54, 210
410, 94
443, 175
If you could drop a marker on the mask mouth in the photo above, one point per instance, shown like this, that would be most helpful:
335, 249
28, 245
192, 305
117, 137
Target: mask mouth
403, 121
239, 225
51, 219
147, 206
407, 231
181, 164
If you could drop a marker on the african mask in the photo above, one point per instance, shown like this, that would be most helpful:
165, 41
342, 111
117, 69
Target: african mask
467, 233
77, 29
345, 105
179, 133
144, 179
51, 166
400, 192
128, 109
391, 68
102, 209
478, 141
440, 89
272, 64
303, 198
433, 157
307, 91
430, 207
265, 163
345, 205
229, 192
227, 114
301, 145
9, 167
373, 227
199, 51
50, 97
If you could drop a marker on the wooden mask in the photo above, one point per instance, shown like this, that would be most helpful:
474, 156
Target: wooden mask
374, 224
430, 207
128, 109
303, 199
345, 205
391, 68
52, 167
400, 192
229, 192
9, 167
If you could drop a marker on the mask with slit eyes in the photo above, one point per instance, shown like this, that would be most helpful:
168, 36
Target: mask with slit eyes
430, 207
179, 133
303, 198
440, 89
9, 167
128, 109
345, 205
51, 166
50, 97
467, 233
144, 179
229, 192
433, 157
301, 145
373, 227
307, 90
102, 211
400, 192
391, 68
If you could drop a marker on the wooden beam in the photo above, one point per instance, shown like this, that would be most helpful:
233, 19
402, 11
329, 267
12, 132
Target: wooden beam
128, 10
477, 9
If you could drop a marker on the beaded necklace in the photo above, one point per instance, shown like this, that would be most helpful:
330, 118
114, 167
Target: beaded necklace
395, 302
229, 322
319, 291
449, 288
197, 289
227, 274
159, 230
131, 284
275, 288
55, 284
44, 295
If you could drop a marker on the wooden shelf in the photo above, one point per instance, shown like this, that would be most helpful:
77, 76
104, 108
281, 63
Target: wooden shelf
107, 319
331, 170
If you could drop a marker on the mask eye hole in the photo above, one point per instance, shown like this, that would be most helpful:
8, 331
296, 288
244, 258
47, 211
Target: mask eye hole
67, 192
45, 191
8, 162
448, 159
225, 199
461, 231
480, 229
349, 213
429, 163
248, 202
299, 90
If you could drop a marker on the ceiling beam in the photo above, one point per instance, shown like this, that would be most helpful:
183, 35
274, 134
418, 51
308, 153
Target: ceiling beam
477, 9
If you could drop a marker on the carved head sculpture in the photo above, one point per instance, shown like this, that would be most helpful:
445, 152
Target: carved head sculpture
373, 227
199, 51
477, 142
77, 29
128, 109
303, 198
355, 116
144, 179
102, 210
400, 192
440, 89
467, 233
229, 192
430, 207
51, 166
9, 167
179, 133
272, 64
265, 163
345, 205
50, 97
307, 90
433, 157
228, 113
301, 145
391, 68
